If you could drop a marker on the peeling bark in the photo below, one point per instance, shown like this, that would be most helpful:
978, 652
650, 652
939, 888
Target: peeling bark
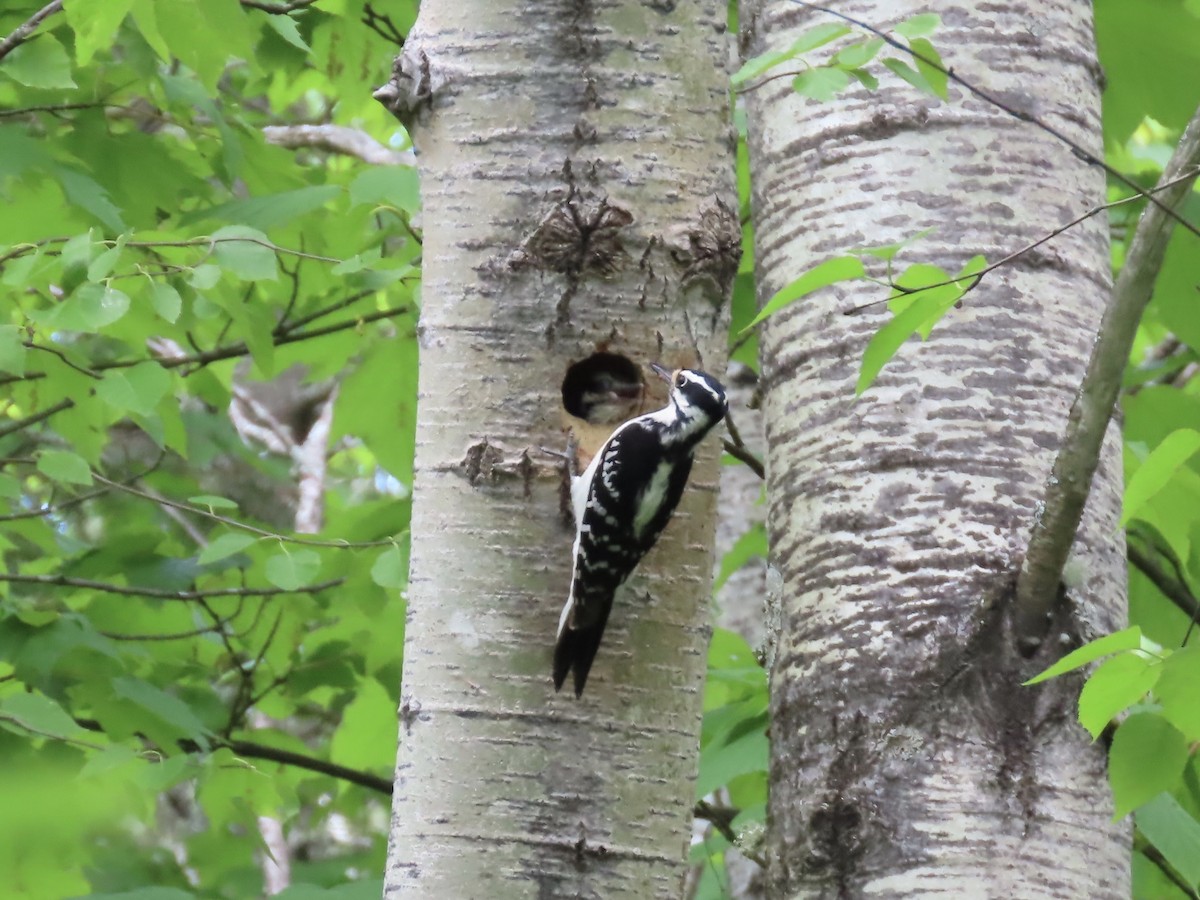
906, 757
570, 153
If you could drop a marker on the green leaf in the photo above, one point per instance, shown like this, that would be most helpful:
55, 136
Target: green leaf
62, 465
929, 293
137, 389
90, 308
177, 717
1157, 470
12, 350
1147, 757
33, 710
1178, 690
858, 55
366, 737
908, 73
721, 763
1129, 639
166, 300
1171, 829
204, 277
934, 72
821, 82
921, 25
929, 305
285, 27
147, 893
392, 185
94, 24
245, 252
889, 251
840, 268
89, 195
212, 501
865, 78
104, 263
1116, 685
808, 40
292, 570
390, 569
269, 210
751, 545
225, 545
40, 62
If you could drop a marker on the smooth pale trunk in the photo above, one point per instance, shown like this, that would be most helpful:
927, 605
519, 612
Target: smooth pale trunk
907, 760
576, 172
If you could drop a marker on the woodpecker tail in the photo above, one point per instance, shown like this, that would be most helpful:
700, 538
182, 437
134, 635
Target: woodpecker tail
576, 649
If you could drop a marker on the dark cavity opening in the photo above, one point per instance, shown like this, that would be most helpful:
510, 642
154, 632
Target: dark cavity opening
603, 389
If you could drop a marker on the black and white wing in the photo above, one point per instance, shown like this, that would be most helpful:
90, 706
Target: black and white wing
622, 503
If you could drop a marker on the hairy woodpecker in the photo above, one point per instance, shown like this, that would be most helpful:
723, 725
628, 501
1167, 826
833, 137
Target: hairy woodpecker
622, 502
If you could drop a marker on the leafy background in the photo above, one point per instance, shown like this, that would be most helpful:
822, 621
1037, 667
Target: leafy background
176, 657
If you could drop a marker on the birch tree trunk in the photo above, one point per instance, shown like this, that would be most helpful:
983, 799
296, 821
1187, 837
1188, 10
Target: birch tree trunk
578, 198
907, 760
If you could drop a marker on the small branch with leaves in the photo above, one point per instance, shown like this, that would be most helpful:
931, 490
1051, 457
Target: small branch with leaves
1075, 464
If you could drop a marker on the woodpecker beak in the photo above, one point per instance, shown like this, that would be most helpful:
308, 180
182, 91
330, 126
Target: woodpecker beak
664, 374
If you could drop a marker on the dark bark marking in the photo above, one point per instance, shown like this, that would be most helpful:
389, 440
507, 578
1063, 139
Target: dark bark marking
713, 249
579, 236
410, 711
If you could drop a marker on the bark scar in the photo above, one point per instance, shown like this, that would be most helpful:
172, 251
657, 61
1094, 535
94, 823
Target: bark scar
579, 236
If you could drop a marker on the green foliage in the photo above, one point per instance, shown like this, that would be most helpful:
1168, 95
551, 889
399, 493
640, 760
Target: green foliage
162, 626
733, 749
826, 80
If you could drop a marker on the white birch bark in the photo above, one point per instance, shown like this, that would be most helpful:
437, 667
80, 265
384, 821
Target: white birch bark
577, 182
907, 760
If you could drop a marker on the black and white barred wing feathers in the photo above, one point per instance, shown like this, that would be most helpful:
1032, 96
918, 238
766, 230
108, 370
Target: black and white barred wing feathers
622, 503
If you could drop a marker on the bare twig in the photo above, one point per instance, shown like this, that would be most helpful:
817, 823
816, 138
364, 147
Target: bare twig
1071, 477
382, 25
234, 523
977, 277
19, 424
22, 32
1174, 589
229, 351
337, 139
742, 454
253, 750
277, 9
1165, 208
721, 818
216, 627
159, 594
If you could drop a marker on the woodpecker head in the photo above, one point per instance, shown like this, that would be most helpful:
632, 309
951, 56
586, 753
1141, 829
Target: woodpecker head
697, 399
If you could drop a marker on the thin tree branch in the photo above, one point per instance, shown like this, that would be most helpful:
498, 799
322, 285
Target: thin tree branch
217, 627
229, 351
721, 818
337, 139
253, 750
1155, 856
158, 593
19, 424
742, 454
1071, 476
277, 9
234, 523
1165, 208
1168, 585
977, 277
22, 32
382, 25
